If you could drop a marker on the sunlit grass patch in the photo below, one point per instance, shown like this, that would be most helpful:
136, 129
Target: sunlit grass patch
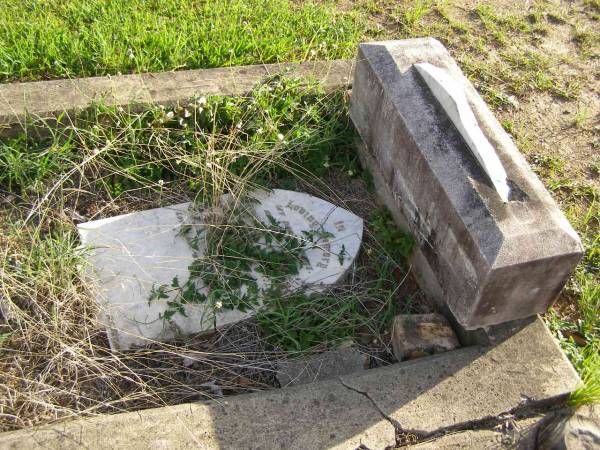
51, 39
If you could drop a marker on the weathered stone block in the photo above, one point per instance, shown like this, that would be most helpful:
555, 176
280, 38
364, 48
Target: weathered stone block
492, 261
415, 335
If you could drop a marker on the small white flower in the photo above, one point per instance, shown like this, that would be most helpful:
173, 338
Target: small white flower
186, 113
218, 304
201, 101
181, 123
230, 51
280, 136
130, 53
170, 114
313, 53
239, 125
161, 182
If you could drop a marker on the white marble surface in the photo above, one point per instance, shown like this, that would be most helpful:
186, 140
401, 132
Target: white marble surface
130, 254
453, 100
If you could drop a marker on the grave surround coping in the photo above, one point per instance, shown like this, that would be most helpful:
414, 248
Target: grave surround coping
514, 368
59, 102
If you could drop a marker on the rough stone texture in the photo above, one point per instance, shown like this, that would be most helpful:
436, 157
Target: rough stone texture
451, 97
48, 99
320, 367
572, 430
491, 261
133, 253
523, 366
317, 416
423, 334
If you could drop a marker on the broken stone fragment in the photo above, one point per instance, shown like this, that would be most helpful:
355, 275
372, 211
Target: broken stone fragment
139, 261
572, 430
319, 367
417, 335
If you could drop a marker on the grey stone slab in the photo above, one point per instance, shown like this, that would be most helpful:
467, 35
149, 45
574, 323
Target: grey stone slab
317, 416
422, 334
173, 87
48, 100
490, 261
320, 367
134, 253
523, 367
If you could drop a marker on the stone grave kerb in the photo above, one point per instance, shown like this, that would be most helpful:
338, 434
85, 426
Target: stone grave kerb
492, 261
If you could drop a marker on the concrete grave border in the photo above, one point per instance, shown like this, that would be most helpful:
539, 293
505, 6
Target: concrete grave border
515, 368
59, 101
518, 372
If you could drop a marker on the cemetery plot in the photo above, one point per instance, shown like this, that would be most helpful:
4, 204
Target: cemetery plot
115, 166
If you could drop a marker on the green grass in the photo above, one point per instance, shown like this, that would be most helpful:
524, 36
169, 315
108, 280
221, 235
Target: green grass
51, 38
579, 334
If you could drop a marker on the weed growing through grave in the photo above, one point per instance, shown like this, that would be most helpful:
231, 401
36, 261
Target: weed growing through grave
55, 359
397, 243
234, 247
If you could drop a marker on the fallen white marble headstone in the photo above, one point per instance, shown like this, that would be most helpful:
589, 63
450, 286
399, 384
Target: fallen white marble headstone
133, 253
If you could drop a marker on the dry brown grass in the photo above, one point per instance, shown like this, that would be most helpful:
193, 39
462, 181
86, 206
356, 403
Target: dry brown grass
55, 360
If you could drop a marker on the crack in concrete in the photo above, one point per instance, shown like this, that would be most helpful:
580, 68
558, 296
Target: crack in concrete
525, 410
398, 430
